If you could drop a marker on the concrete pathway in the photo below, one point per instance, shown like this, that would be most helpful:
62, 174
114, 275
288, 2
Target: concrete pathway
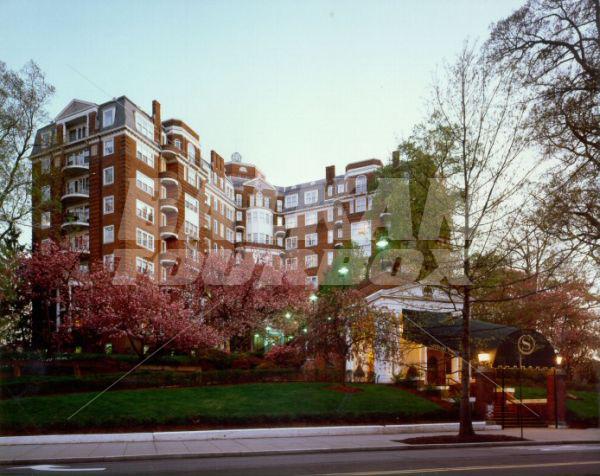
132, 450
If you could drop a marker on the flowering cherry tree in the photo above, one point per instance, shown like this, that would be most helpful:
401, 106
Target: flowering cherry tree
239, 297
45, 277
138, 309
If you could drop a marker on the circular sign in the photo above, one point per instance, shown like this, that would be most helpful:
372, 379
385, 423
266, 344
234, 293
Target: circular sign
526, 344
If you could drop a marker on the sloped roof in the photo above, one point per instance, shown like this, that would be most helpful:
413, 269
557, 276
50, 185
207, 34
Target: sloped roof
75, 106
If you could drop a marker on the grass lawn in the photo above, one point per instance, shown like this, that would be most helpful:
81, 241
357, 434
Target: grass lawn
586, 408
267, 402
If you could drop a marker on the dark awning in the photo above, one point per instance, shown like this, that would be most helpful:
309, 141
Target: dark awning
443, 330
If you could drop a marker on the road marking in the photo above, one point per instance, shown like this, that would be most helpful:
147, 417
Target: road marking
55, 468
463, 468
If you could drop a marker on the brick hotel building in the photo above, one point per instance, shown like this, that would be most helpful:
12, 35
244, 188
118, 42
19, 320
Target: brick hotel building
124, 186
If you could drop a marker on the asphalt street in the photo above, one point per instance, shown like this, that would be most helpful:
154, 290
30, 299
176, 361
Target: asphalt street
516, 460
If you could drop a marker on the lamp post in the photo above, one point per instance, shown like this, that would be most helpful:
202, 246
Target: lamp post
558, 362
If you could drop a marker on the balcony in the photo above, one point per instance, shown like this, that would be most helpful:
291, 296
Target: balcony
77, 164
167, 259
168, 177
168, 232
169, 151
168, 205
76, 220
75, 195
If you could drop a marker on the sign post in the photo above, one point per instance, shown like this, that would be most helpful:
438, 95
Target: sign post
526, 346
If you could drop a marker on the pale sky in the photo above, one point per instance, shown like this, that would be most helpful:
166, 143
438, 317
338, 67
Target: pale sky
293, 86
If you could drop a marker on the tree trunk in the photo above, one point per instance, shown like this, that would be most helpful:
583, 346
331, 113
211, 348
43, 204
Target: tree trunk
466, 423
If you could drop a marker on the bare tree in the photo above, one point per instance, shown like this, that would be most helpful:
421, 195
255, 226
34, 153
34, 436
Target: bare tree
554, 47
476, 101
23, 98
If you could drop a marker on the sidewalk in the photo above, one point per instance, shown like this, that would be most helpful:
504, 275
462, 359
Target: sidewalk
259, 446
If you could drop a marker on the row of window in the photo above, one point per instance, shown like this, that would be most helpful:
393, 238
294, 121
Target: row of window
312, 196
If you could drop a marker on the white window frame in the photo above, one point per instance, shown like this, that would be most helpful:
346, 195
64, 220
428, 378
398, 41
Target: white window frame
109, 199
311, 197
108, 117
108, 234
144, 239
144, 183
291, 221
108, 262
146, 266
291, 243
311, 239
108, 179
108, 147
45, 193
144, 211
311, 218
291, 201
311, 261
45, 220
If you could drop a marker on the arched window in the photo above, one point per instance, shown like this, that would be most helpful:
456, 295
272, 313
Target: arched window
361, 184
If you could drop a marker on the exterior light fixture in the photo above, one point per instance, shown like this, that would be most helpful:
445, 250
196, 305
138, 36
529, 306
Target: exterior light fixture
288, 315
256, 336
559, 360
382, 243
483, 358
343, 270
305, 330
313, 297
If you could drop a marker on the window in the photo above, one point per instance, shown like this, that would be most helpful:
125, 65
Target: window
291, 243
312, 281
45, 164
229, 213
279, 205
329, 258
291, 221
178, 143
229, 234
109, 262
340, 188
310, 218
329, 236
191, 151
291, 263
145, 153
144, 239
238, 236
45, 221
108, 205
311, 196
279, 221
45, 193
238, 216
238, 199
279, 241
144, 183
329, 190
46, 139
291, 201
361, 204
108, 235
311, 261
361, 184
360, 233
108, 117
144, 125
109, 147
191, 203
311, 239
144, 211
330, 214
108, 176
78, 186
143, 266
340, 232
190, 229
190, 176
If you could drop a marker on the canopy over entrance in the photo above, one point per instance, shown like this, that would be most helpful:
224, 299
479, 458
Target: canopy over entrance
443, 331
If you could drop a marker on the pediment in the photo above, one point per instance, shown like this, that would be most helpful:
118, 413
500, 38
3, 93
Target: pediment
75, 106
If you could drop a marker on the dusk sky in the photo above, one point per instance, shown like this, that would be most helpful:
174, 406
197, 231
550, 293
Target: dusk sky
284, 83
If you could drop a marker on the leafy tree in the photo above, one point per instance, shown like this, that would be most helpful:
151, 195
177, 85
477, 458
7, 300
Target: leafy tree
554, 47
24, 95
15, 309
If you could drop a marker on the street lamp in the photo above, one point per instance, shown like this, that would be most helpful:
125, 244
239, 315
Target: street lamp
288, 315
484, 358
558, 360
313, 297
343, 271
382, 243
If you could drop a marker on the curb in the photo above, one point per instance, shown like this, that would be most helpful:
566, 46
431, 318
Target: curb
234, 454
293, 432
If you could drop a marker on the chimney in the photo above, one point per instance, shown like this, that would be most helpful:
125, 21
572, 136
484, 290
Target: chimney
92, 122
330, 173
157, 121
396, 159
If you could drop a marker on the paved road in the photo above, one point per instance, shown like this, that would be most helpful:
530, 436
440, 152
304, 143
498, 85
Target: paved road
528, 460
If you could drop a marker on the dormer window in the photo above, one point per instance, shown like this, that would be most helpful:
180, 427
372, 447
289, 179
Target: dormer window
108, 117
361, 184
177, 143
191, 150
